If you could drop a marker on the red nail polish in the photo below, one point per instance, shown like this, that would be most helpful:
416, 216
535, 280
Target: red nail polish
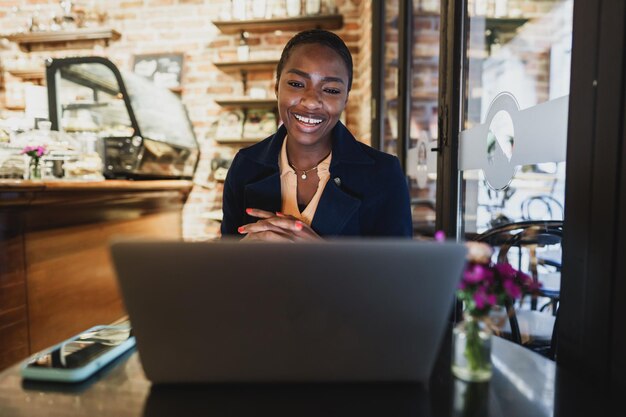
241, 229
299, 225
248, 210
279, 214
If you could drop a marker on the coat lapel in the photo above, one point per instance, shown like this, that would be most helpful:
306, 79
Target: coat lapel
264, 194
337, 207
334, 210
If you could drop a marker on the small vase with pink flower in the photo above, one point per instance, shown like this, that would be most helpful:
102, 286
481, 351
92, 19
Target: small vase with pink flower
34, 163
484, 285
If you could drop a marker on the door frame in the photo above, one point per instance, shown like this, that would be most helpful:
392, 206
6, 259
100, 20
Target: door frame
591, 327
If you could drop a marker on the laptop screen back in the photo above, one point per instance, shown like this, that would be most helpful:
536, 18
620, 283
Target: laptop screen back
367, 310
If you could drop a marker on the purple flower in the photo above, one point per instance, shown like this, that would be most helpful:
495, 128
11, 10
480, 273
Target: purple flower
524, 279
477, 273
505, 270
485, 284
512, 289
531, 285
482, 299
479, 299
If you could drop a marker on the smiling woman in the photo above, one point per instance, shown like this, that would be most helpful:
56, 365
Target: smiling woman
281, 188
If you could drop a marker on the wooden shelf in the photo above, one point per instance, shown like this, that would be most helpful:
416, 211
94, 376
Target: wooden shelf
14, 107
26, 40
246, 102
237, 141
251, 65
329, 22
37, 74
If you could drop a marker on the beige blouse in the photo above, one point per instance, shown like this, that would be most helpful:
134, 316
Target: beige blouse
289, 187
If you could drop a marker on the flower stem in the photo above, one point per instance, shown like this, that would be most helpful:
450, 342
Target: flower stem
474, 351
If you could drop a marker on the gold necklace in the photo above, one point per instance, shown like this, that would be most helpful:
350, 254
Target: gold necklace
304, 171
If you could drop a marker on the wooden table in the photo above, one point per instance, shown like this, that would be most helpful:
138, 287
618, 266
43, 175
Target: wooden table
524, 384
56, 277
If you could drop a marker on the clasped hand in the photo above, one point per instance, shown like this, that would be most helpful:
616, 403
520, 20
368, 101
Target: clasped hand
276, 227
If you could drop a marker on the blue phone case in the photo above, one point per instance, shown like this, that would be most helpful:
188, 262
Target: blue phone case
80, 373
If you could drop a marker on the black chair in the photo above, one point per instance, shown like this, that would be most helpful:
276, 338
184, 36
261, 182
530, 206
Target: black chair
548, 206
529, 327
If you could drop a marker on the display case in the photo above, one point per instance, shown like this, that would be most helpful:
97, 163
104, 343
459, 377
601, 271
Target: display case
141, 130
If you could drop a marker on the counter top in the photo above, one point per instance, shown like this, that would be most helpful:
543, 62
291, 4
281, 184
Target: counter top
20, 193
27, 185
524, 384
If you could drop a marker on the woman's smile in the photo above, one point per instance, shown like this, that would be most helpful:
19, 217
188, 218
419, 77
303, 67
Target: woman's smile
308, 123
308, 120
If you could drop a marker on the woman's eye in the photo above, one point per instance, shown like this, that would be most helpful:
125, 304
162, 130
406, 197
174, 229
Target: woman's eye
295, 84
332, 91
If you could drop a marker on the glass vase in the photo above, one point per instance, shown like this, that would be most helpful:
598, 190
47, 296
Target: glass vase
471, 350
34, 171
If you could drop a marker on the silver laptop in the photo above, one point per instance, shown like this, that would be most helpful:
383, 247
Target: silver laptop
366, 310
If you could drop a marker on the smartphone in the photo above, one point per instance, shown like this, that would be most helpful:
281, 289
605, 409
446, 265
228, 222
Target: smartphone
79, 357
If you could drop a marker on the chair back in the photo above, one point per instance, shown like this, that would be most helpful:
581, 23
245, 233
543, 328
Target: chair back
526, 236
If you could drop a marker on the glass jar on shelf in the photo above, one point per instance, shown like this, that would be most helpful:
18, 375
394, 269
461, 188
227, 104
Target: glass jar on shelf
243, 50
258, 9
313, 7
294, 8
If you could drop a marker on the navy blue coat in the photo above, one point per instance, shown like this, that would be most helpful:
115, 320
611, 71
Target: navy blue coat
366, 194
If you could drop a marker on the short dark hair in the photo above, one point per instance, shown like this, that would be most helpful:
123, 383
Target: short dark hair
320, 37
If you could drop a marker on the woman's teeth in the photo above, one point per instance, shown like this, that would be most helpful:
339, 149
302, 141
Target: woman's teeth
308, 120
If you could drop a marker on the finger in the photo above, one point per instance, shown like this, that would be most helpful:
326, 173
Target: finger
300, 230
260, 226
288, 223
307, 234
268, 236
288, 216
258, 213
294, 229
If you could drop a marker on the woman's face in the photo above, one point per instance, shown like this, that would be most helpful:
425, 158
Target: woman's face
312, 92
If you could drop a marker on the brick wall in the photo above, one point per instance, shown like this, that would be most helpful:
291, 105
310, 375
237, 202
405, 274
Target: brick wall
171, 26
